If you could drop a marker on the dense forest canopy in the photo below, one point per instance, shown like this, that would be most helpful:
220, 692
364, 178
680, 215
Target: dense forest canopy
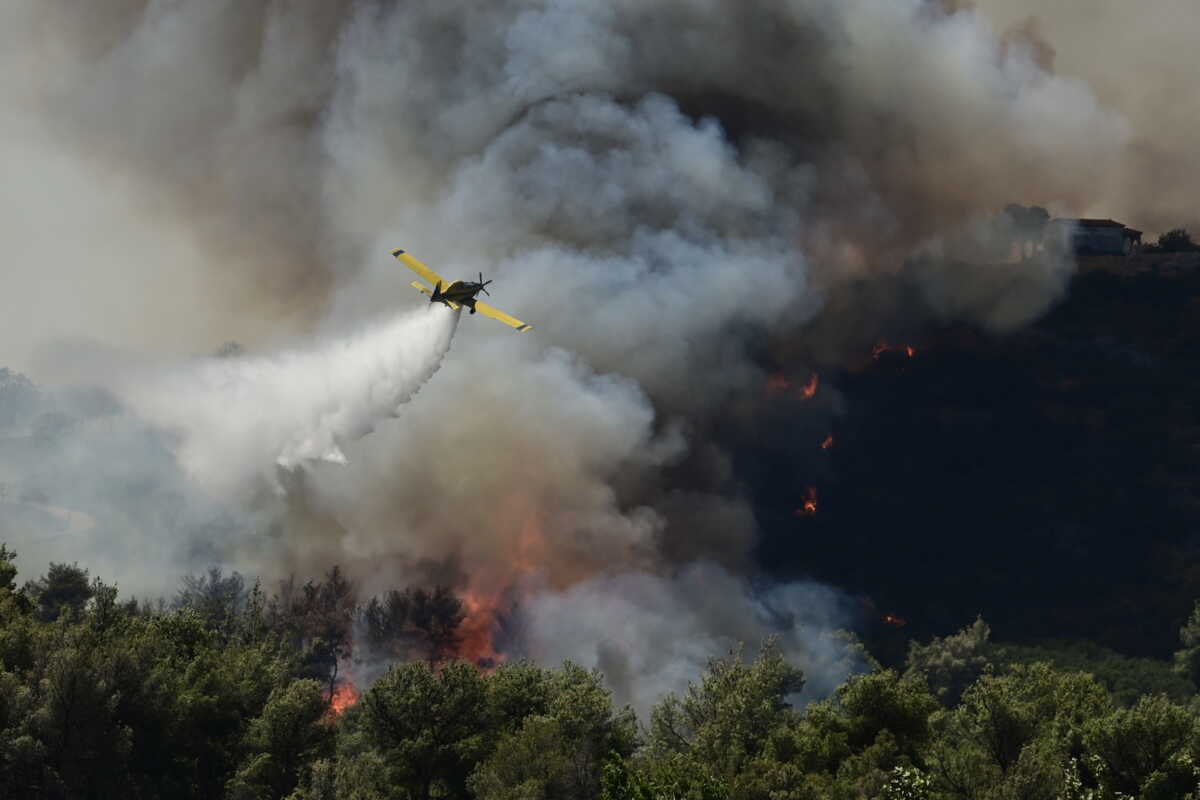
228, 691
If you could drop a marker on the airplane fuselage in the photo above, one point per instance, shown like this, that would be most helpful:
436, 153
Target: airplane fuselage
460, 292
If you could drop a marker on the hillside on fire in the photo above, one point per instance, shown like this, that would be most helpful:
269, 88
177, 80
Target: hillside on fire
319, 688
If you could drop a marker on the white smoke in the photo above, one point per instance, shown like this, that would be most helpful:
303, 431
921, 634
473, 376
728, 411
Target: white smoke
236, 419
700, 614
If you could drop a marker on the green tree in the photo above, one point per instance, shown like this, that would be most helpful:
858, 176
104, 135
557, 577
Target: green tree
220, 600
1177, 240
1012, 735
949, 665
1146, 751
8, 569
413, 621
567, 729
318, 620
517, 690
291, 732
427, 726
63, 587
722, 724
1187, 659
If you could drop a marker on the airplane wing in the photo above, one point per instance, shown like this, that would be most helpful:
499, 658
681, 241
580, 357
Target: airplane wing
419, 268
497, 314
425, 290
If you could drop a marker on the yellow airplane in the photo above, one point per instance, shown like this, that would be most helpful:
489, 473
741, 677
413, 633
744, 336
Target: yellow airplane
457, 293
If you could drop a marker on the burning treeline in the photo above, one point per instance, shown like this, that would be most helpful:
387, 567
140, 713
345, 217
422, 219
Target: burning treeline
345, 641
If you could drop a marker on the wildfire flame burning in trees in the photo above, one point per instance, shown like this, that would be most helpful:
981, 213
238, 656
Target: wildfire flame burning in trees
778, 384
483, 610
894, 621
809, 506
882, 347
487, 599
344, 696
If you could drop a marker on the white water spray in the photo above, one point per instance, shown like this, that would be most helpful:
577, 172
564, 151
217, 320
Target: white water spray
236, 420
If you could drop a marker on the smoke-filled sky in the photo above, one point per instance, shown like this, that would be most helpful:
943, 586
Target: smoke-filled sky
673, 193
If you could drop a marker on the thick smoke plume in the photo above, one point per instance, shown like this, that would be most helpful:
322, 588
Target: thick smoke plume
679, 195
1137, 65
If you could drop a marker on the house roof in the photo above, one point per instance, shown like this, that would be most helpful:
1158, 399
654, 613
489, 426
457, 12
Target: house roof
1097, 223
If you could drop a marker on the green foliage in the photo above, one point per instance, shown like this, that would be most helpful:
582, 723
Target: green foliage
726, 720
951, 664
290, 732
726, 728
416, 621
673, 777
568, 728
1126, 678
1146, 751
317, 619
426, 725
221, 601
907, 783
1187, 658
215, 697
63, 589
1177, 240
8, 569
1012, 735
517, 690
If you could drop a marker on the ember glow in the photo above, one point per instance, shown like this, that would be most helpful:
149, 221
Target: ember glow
893, 620
882, 347
827, 444
778, 384
810, 389
809, 507
344, 696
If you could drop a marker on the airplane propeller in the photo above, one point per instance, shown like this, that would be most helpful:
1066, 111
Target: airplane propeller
483, 285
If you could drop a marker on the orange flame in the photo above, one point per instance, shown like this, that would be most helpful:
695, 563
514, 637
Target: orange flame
894, 621
487, 599
882, 347
344, 696
828, 443
810, 388
478, 627
809, 507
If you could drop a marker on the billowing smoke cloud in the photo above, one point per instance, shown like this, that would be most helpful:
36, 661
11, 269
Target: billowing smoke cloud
1137, 64
700, 614
674, 193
